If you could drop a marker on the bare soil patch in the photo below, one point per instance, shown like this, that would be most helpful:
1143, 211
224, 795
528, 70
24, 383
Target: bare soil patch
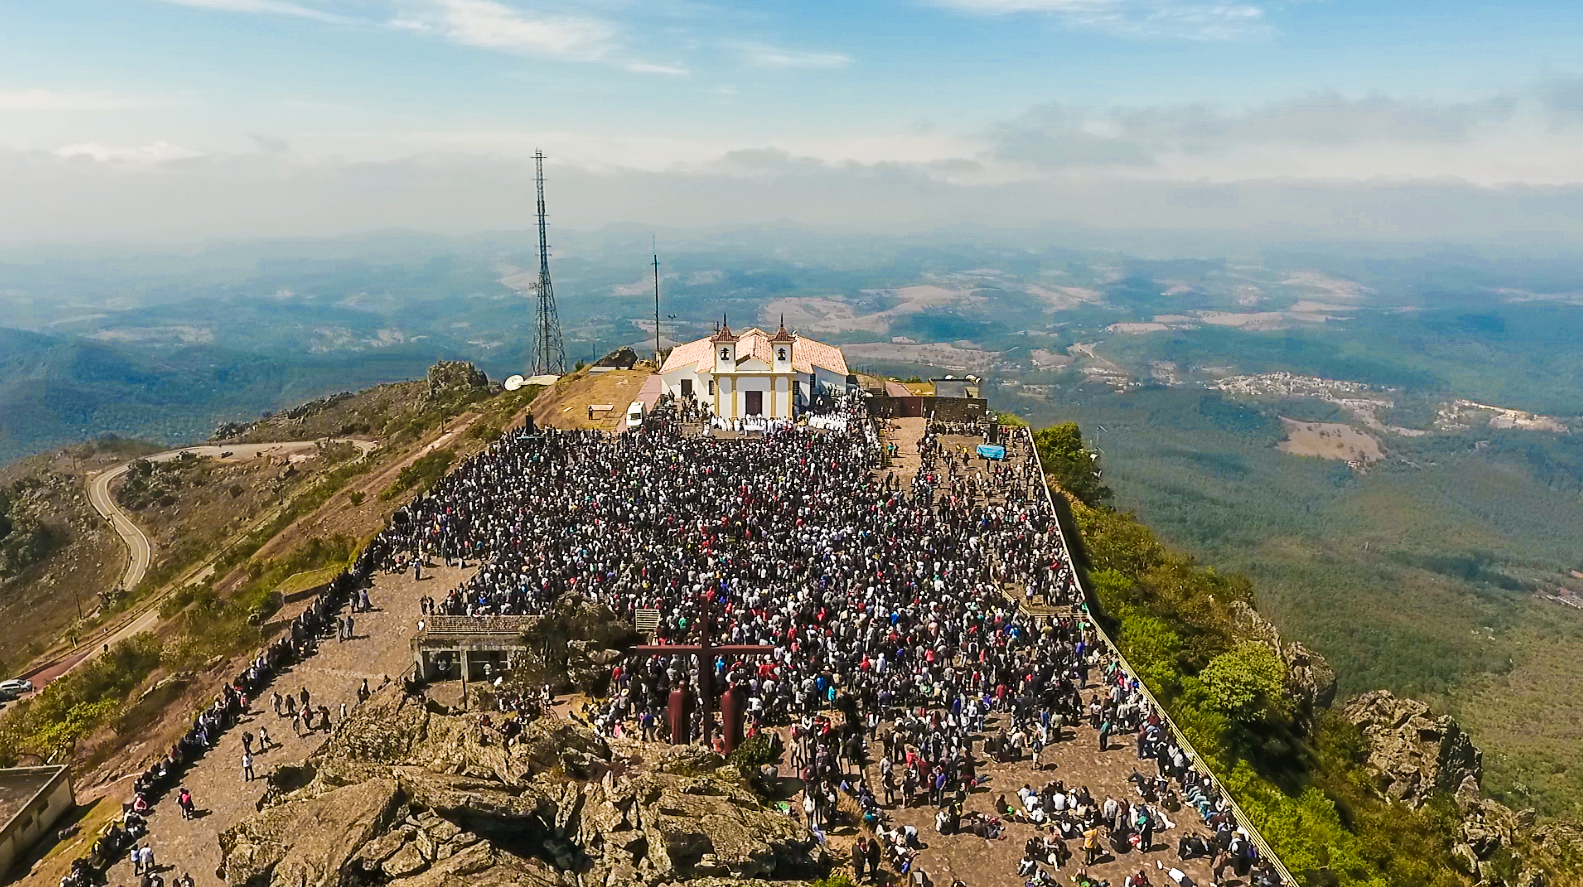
1329, 440
566, 405
946, 357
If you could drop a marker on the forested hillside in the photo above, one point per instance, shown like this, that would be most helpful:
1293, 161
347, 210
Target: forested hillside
1302, 773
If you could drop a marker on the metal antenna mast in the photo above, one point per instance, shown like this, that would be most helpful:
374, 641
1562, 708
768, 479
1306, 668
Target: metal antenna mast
549, 352
656, 307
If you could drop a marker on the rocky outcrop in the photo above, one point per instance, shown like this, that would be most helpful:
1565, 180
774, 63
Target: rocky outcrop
308, 842
405, 794
1417, 756
1310, 682
573, 646
450, 377
1413, 753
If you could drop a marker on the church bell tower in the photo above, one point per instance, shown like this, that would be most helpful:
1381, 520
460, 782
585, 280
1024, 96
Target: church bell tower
725, 351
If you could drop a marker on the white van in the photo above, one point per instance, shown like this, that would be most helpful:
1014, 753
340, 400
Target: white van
635, 414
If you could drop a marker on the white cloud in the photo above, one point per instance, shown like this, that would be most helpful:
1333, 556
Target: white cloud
55, 100
651, 68
1172, 19
763, 55
1056, 136
251, 194
490, 25
264, 7
158, 152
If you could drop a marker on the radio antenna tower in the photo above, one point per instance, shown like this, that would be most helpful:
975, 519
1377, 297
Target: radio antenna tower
549, 352
656, 307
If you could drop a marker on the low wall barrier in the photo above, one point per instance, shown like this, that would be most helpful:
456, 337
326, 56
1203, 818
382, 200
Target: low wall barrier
477, 624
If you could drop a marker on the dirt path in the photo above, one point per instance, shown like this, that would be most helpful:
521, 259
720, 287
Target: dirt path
141, 550
223, 797
905, 434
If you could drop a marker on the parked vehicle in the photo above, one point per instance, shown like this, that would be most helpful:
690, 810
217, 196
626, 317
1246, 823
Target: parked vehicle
15, 687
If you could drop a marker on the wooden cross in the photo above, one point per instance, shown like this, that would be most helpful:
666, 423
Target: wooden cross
706, 652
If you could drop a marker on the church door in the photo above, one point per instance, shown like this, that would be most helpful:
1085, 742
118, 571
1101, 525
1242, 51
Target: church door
755, 403
687, 388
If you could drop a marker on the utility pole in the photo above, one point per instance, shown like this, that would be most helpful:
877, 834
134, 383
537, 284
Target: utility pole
656, 308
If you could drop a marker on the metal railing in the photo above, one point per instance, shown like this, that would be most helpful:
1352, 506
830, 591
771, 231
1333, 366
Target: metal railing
1066, 555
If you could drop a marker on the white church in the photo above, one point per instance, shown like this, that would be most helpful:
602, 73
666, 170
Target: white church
754, 373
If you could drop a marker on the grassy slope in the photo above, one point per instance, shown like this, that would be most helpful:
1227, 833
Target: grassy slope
209, 617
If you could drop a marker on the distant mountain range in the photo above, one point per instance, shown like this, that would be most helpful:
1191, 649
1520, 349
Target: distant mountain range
55, 389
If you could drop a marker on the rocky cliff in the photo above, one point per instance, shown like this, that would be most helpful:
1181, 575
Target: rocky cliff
410, 795
1310, 682
450, 377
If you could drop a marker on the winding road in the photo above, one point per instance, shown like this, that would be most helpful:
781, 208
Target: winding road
141, 550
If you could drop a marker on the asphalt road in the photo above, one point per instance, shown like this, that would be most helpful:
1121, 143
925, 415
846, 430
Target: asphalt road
142, 550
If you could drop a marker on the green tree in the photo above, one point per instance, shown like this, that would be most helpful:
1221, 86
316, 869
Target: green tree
1244, 683
1073, 466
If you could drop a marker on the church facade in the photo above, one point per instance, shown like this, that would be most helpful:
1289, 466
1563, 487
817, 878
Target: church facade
753, 373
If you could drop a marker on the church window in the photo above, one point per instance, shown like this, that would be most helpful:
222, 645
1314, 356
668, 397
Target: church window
711, 388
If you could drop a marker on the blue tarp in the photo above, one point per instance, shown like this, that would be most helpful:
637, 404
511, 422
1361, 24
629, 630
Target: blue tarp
990, 451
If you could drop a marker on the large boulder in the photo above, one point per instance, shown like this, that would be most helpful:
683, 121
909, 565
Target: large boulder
674, 827
1413, 753
408, 794
449, 377
1310, 682
306, 843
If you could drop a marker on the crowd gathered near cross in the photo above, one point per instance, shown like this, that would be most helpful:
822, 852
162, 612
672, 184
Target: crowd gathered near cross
891, 608
901, 660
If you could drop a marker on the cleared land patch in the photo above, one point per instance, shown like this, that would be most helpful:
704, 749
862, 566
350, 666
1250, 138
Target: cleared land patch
1329, 440
948, 357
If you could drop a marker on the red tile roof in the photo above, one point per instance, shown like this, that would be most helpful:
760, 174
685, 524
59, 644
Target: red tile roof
755, 343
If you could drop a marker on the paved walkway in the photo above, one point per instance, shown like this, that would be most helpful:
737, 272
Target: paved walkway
1077, 762
379, 650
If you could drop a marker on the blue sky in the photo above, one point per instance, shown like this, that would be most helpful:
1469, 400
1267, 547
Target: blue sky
153, 103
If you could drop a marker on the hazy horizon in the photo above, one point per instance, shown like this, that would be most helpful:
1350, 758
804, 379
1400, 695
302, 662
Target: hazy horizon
172, 120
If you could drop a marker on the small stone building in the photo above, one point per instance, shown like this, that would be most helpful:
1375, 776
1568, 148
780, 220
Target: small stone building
32, 800
472, 648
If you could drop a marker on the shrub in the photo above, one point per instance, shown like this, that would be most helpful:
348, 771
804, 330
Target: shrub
356, 497
756, 751
74, 705
488, 432
420, 474
1244, 683
1071, 464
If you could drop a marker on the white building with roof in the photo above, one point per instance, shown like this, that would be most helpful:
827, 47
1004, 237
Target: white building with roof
753, 373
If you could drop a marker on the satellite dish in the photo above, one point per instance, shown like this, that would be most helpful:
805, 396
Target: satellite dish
515, 382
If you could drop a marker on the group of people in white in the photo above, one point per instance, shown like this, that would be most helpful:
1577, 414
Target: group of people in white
750, 424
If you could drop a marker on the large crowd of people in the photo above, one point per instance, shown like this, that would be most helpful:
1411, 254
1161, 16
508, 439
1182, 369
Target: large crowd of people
891, 610
903, 658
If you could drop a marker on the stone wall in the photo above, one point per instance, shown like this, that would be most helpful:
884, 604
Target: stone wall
945, 409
